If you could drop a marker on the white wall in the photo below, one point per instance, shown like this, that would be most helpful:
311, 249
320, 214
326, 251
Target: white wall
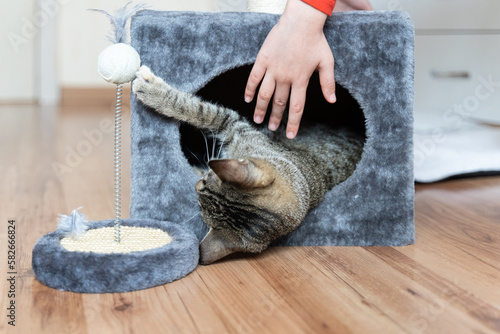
82, 35
48, 44
17, 51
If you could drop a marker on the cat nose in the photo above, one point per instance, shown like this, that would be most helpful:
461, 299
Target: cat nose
200, 185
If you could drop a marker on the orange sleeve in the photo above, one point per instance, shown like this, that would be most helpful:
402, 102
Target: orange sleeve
325, 6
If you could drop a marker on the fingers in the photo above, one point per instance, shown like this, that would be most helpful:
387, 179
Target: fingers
327, 79
268, 89
256, 75
297, 101
279, 103
264, 96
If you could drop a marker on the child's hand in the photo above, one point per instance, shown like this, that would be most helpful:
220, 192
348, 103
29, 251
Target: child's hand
294, 48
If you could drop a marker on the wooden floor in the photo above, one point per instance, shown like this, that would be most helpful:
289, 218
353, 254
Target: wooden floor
448, 282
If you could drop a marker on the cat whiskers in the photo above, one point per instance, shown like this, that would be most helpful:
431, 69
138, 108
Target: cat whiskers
221, 146
194, 155
206, 146
210, 157
213, 145
198, 213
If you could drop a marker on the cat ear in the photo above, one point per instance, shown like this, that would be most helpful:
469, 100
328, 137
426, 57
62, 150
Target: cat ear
215, 246
243, 173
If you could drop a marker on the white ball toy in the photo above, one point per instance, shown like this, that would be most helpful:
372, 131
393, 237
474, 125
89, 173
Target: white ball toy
118, 63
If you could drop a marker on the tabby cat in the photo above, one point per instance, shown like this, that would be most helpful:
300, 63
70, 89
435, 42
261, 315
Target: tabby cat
264, 184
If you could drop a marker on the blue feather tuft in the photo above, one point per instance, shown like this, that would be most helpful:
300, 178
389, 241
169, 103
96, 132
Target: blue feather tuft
119, 21
73, 225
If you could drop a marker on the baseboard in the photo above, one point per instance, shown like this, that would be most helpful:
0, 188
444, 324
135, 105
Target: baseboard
97, 97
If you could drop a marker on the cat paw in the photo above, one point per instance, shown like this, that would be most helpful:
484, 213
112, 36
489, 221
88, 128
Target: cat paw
149, 88
145, 73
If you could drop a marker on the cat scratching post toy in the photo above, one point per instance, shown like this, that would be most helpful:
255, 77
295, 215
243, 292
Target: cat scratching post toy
114, 255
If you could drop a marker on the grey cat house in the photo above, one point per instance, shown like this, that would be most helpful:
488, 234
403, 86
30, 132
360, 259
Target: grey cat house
211, 54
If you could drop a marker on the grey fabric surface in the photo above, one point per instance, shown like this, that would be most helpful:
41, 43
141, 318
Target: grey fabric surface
373, 60
101, 273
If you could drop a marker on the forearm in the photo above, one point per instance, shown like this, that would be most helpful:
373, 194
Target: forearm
298, 12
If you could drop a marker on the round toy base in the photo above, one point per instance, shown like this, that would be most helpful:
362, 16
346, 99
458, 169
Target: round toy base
91, 272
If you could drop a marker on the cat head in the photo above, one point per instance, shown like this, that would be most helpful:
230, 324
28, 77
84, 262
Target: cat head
246, 204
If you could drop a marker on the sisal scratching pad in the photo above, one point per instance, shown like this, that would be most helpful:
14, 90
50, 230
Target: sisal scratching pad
133, 239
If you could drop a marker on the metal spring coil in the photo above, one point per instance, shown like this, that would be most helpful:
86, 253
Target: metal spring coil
117, 161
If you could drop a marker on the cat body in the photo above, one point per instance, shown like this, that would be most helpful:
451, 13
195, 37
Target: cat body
263, 185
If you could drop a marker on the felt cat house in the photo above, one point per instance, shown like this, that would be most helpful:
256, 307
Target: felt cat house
211, 54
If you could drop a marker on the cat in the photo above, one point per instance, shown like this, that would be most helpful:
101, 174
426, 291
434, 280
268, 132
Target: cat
263, 185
